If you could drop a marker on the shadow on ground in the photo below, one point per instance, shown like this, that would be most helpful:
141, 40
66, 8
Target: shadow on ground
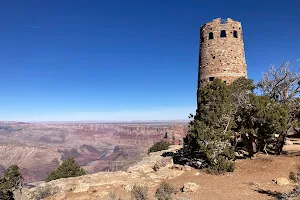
270, 193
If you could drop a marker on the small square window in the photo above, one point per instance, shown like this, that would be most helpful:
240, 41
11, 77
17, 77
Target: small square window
235, 34
211, 78
223, 33
210, 36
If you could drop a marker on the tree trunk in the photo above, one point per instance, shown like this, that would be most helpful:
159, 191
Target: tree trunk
280, 144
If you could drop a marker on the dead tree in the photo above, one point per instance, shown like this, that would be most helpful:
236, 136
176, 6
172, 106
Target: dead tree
281, 83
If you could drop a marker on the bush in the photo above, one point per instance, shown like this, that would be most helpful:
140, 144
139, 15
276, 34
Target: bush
290, 195
293, 177
69, 168
44, 192
139, 193
223, 165
159, 146
164, 191
10, 181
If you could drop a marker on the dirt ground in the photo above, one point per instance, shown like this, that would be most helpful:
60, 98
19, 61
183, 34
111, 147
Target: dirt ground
252, 179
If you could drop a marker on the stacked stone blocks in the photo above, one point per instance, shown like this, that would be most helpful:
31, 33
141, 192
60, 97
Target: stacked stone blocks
221, 52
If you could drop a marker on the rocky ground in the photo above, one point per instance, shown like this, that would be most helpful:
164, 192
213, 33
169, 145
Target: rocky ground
263, 177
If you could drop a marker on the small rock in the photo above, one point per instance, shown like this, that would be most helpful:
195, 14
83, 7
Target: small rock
190, 187
187, 168
197, 174
128, 187
178, 167
282, 181
199, 163
239, 155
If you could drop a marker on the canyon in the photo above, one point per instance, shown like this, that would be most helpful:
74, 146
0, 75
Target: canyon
39, 148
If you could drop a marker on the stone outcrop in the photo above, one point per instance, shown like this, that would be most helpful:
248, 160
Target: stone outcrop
142, 174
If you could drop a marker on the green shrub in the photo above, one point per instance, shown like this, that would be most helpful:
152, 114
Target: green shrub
159, 146
165, 191
10, 181
139, 193
69, 168
223, 165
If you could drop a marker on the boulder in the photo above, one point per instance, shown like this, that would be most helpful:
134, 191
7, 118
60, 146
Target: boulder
190, 187
282, 181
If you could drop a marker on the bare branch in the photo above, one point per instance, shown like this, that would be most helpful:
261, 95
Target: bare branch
281, 83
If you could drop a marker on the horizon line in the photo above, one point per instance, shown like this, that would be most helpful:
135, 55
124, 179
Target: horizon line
96, 121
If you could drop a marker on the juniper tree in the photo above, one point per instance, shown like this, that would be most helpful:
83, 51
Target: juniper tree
262, 118
69, 168
282, 84
210, 130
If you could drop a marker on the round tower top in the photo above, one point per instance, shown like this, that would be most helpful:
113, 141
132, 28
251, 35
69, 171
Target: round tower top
222, 22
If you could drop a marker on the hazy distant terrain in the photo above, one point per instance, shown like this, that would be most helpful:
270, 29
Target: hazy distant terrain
39, 148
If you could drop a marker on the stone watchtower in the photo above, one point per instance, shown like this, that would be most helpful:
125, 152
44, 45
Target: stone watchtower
221, 52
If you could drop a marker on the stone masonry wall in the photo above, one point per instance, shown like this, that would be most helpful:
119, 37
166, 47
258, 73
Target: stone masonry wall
221, 57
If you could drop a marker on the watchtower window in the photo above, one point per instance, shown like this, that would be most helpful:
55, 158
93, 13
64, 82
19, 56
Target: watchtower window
211, 36
211, 78
223, 33
235, 34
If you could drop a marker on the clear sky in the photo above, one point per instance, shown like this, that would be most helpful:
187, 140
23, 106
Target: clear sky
123, 59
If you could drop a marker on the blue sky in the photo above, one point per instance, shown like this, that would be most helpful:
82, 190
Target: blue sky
125, 60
